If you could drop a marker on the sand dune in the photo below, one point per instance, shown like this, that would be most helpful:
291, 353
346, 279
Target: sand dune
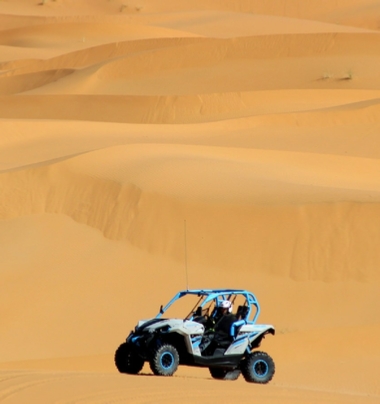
256, 122
133, 183
179, 109
227, 24
68, 35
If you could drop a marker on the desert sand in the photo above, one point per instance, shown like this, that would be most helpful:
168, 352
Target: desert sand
257, 122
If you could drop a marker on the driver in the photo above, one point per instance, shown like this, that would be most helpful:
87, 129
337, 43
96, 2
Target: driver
219, 334
222, 335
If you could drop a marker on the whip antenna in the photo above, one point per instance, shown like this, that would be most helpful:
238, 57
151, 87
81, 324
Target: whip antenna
187, 277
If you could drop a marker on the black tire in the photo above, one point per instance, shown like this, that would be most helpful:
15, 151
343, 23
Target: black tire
165, 360
224, 374
258, 367
127, 361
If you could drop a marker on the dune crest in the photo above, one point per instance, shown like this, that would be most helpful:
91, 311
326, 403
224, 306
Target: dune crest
115, 192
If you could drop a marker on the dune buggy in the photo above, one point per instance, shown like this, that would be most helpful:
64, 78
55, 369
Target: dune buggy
173, 340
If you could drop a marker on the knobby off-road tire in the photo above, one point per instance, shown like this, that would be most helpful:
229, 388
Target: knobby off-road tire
127, 361
165, 360
224, 374
258, 367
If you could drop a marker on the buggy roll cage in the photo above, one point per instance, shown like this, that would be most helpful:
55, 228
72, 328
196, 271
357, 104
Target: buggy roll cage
216, 295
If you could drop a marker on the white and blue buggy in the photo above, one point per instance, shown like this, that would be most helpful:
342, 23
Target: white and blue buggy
173, 340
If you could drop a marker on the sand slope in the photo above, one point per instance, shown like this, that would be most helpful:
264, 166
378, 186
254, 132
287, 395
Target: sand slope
256, 122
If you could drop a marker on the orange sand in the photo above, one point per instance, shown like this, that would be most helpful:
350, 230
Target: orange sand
257, 122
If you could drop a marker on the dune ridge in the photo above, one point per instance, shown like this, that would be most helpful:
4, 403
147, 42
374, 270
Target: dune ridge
113, 191
172, 109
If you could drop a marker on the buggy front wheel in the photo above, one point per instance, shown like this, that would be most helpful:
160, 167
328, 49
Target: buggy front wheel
127, 360
165, 360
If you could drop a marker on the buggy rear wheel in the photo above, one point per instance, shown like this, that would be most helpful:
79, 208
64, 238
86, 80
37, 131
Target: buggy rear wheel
165, 360
258, 367
127, 360
224, 373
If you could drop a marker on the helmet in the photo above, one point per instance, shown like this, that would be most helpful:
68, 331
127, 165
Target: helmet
226, 304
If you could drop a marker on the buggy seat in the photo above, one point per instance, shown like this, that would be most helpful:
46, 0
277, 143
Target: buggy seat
235, 328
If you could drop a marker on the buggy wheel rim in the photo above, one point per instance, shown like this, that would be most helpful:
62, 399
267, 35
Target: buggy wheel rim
167, 360
260, 368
